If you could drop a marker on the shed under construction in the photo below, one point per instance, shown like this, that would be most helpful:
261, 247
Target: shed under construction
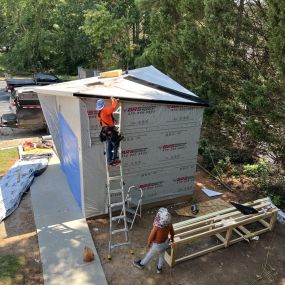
160, 120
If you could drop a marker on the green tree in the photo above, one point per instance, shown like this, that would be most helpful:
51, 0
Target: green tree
276, 33
114, 29
220, 50
46, 35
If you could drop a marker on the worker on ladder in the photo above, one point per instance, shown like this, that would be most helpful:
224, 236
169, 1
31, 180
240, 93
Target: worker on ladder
109, 132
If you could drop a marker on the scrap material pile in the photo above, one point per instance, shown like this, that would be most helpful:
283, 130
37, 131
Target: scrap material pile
43, 144
18, 180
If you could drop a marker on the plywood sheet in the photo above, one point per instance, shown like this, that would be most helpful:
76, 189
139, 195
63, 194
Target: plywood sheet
204, 208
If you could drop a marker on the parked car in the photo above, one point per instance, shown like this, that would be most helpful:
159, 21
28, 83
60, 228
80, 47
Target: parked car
38, 79
26, 111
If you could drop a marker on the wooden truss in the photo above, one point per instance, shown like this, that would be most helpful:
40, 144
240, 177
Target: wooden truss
227, 226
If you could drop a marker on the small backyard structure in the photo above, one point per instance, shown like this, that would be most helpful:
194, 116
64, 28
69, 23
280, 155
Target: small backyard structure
160, 120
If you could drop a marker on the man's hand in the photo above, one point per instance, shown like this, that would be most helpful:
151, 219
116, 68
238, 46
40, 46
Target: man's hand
113, 99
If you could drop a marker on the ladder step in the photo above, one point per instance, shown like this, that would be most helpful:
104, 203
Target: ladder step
114, 178
130, 210
116, 218
133, 202
116, 204
116, 191
119, 231
119, 244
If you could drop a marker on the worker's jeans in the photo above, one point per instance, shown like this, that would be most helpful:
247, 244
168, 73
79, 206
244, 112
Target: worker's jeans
112, 149
156, 248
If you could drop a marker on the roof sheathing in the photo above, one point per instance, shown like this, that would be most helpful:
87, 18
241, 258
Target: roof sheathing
131, 91
189, 96
126, 87
155, 76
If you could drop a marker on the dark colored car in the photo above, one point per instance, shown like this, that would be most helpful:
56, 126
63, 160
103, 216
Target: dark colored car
39, 79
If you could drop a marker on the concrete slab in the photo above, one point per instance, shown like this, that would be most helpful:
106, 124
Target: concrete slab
62, 232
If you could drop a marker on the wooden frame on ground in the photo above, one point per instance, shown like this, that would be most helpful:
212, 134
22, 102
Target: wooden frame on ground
228, 226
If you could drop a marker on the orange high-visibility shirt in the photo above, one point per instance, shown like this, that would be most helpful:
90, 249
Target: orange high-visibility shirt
106, 115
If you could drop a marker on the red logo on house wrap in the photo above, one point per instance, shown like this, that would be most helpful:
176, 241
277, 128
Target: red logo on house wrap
178, 107
92, 113
140, 109
152, 185
183, 179
134, 152
174, 146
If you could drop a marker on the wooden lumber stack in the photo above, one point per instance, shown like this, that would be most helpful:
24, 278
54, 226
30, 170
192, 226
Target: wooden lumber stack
227, 226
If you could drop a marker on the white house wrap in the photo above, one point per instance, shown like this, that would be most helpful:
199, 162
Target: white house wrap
160, 120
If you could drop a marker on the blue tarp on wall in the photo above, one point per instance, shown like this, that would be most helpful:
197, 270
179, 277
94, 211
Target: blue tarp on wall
70, 158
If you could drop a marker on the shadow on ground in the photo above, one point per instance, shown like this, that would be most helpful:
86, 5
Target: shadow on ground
240, 264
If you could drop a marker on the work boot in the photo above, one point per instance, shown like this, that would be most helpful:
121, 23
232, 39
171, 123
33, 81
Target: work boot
158, 270
138, 264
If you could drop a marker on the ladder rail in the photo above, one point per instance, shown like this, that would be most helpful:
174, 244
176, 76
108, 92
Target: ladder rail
113, 205
138, 205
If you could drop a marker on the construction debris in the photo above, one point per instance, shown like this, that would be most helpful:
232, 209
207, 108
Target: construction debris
211, 193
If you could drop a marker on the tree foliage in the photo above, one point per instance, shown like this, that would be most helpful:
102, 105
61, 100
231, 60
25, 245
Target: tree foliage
45, 35
228, 52
115, 29
61, 35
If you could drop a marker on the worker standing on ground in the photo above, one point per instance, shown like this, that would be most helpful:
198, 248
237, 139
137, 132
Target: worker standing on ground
109, 132
158, 239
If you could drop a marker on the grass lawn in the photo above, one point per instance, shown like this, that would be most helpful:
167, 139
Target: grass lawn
11, 269
7, 159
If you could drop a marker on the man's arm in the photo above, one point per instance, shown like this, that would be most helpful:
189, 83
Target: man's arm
112, 108
171, 230
151, 236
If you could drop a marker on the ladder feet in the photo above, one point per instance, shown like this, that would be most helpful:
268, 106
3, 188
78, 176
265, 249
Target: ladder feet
131, 251
109, 257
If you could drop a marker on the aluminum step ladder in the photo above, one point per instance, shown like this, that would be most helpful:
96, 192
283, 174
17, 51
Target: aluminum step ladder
117, 204
116, 199
133, 206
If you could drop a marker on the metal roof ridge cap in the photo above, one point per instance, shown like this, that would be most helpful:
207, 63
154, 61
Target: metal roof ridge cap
97, 96
168, 90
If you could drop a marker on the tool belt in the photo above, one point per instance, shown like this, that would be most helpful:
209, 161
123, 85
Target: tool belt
110, 133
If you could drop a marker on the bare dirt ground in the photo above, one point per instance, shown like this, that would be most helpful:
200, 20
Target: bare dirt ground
18, 236
240, 264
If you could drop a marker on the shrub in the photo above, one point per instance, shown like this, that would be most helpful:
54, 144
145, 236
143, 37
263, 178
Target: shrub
260, 169
222, 165
276, 199
213, 156
235, 171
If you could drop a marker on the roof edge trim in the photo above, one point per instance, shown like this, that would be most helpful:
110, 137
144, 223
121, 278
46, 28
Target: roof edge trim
198, 101
95, 96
